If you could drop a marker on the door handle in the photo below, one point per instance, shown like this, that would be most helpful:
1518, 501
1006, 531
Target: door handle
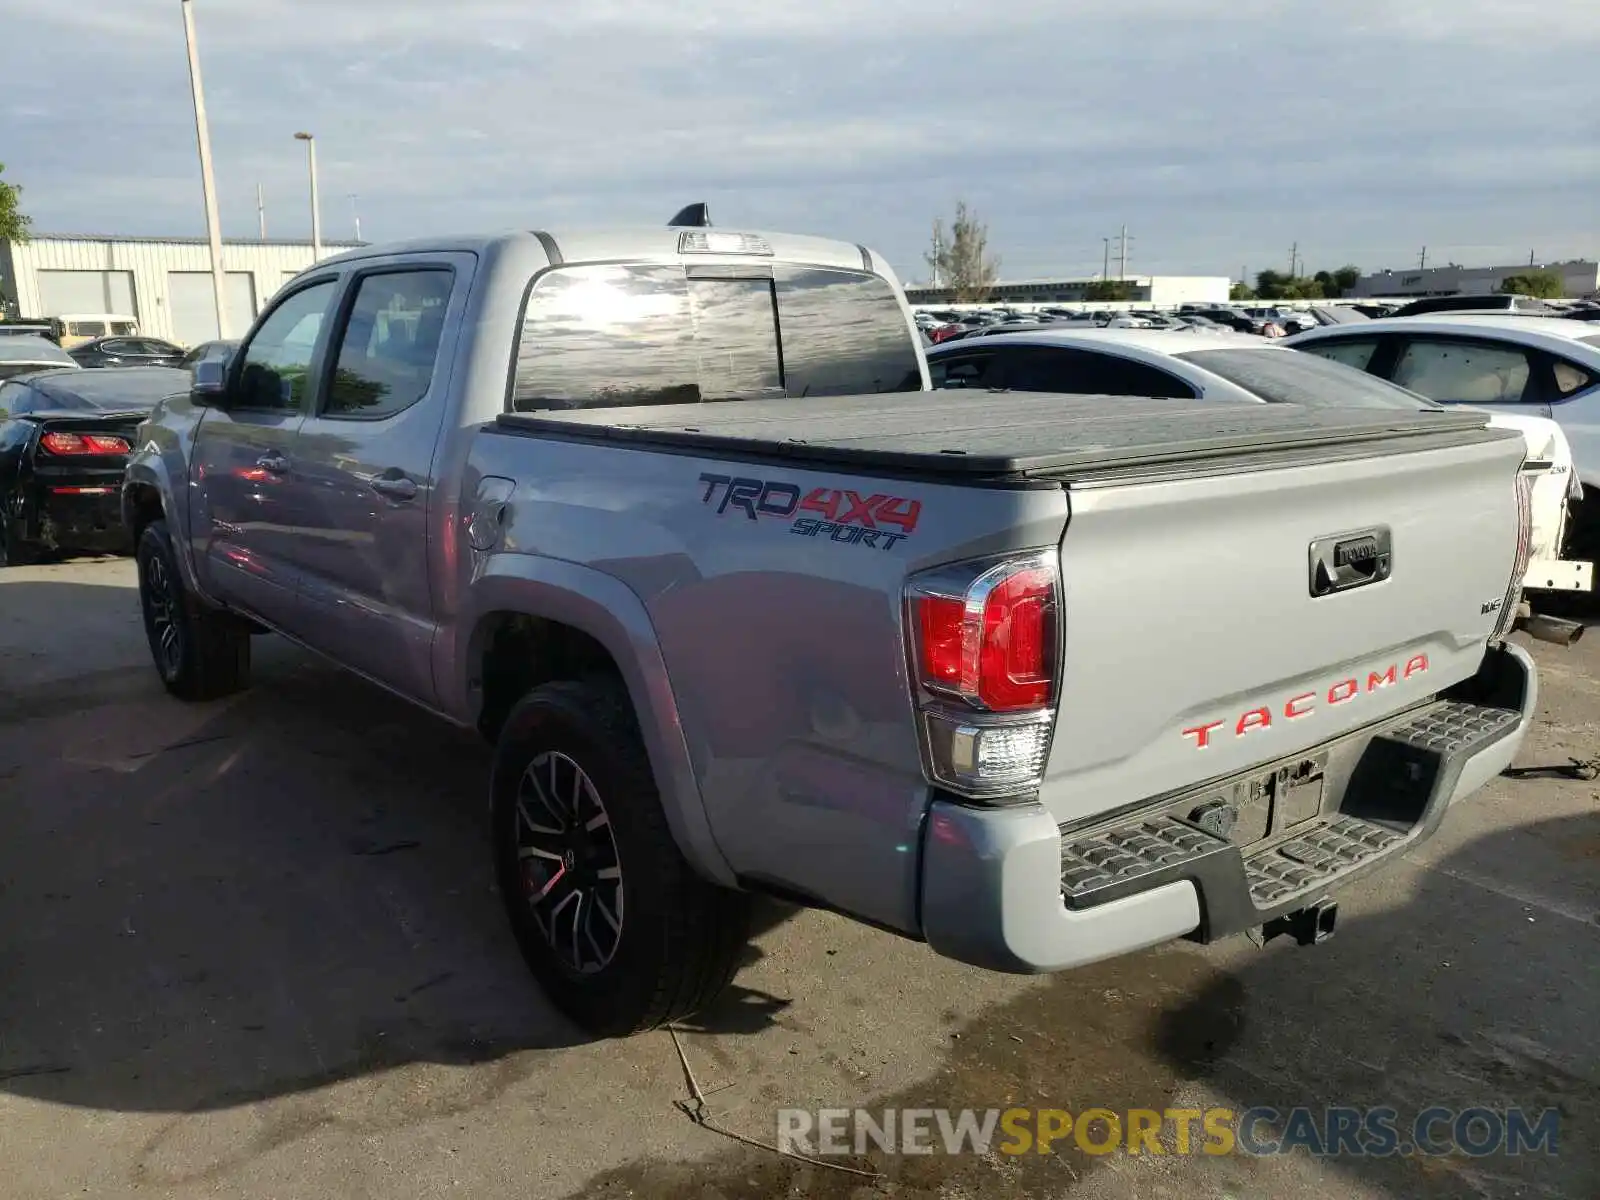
394, 488
275, 463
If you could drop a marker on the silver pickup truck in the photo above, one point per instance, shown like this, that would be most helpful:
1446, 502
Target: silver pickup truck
670, 516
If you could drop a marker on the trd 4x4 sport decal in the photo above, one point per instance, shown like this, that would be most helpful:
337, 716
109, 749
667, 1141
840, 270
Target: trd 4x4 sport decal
877, 521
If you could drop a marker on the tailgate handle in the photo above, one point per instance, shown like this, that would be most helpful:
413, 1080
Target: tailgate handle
1351, 560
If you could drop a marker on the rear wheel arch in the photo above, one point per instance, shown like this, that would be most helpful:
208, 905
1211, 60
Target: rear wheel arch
565, 621
512, 652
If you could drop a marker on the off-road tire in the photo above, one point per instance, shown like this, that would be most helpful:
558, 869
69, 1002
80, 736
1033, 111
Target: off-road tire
200, 653
680, 937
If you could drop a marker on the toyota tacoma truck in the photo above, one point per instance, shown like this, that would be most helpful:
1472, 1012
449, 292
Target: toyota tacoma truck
672, 517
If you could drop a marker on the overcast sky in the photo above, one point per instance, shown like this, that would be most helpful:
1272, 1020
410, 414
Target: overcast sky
1220, 131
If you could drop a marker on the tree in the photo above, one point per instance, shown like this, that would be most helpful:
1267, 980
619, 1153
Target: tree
1108, 289
962, 261
1545, 285
1241, 291
1324, 285
13, 221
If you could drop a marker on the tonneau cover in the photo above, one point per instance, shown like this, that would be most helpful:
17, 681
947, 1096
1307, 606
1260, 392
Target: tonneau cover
973, 433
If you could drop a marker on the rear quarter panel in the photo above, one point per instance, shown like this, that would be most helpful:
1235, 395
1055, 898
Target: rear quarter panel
783, 650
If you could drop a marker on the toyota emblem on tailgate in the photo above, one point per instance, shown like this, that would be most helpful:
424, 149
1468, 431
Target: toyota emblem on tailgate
1351, 560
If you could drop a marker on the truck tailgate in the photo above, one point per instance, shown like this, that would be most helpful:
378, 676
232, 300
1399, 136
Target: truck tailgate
1197, 645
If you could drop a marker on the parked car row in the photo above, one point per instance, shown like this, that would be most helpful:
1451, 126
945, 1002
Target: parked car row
942, 325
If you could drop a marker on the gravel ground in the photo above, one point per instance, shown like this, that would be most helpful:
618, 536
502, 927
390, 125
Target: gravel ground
250, 949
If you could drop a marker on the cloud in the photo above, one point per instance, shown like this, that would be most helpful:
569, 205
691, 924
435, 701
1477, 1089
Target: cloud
1220, 134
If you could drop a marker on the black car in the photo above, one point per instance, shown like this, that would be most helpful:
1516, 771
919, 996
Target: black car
1491, 302
127, 352
65, 436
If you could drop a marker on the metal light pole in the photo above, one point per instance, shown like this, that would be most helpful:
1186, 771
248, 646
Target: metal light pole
316, 208
207, 182
355, 213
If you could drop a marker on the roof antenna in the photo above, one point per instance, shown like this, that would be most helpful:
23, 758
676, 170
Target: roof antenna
695, 216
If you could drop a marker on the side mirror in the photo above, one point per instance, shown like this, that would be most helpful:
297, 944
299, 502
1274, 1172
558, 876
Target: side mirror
210, 382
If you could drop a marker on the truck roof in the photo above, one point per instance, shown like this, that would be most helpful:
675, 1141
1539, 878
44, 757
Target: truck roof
1002, 435
636, 244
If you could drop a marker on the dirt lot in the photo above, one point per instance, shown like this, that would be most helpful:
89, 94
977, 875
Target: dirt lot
251, 950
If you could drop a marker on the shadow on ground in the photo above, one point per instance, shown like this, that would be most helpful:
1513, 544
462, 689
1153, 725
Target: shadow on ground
204, 906
1463, 996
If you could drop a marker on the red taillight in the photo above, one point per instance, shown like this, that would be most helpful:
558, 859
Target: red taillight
939, 626
1016, 661
995, 644
83, 444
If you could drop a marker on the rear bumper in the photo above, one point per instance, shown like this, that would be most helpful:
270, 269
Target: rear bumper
70, 513
1002, 888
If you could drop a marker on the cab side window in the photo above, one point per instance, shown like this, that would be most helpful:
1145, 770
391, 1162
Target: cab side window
275, 375
389, 344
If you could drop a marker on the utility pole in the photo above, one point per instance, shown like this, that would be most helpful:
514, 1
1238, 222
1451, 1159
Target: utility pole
1122, 254
1422, 262
1105, 262
316, 206
1530, 258
261, 211
208, 183
355, 213
1294, 259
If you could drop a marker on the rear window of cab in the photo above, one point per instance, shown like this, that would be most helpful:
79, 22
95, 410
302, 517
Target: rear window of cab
613, 335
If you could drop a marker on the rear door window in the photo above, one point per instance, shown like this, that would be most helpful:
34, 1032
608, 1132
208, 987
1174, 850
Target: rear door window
1452, 371
389, 344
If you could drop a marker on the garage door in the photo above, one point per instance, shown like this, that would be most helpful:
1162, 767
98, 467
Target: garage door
86, 292
193, 305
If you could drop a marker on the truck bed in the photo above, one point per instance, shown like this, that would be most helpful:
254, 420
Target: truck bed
1010, 435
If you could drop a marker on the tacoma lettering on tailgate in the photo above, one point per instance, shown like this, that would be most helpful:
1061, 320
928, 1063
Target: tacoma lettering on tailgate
1307, 703
877, 521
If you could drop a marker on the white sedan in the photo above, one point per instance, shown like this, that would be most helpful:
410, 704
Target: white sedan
1240, 368
1518, 365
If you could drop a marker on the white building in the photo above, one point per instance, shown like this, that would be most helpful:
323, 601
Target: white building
1578, 278
1149, 289
165, 283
